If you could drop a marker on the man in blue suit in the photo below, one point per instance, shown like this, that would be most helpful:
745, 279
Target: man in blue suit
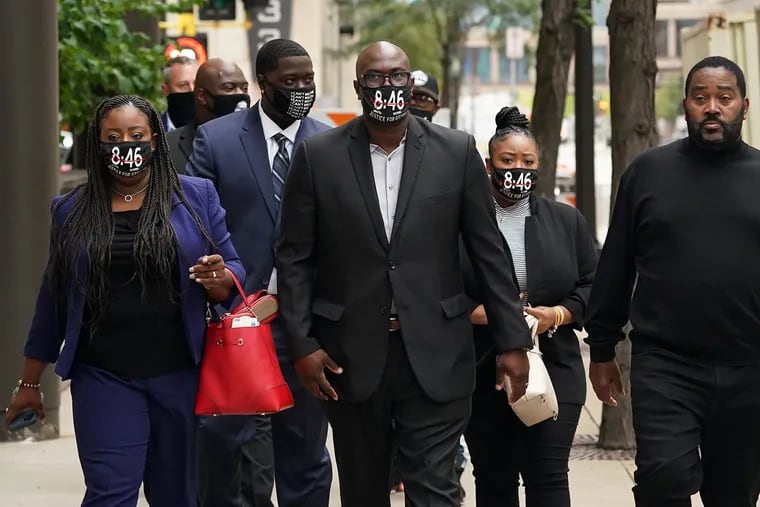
247, 156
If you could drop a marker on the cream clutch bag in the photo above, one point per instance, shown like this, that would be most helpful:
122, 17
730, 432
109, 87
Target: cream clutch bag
539, 402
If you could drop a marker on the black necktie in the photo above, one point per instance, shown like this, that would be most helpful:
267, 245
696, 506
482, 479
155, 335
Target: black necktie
280, 166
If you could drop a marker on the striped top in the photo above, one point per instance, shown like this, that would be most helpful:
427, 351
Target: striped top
511, 222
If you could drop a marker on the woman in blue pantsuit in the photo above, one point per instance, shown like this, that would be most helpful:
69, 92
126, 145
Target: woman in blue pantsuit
135, 255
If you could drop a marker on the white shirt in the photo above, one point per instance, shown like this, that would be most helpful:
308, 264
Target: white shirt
169, 125
271, 129
387, 170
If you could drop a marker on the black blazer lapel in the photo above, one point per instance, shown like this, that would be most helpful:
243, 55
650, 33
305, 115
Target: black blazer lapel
358, 150
413, 152
532, 264
186, 140
254, 144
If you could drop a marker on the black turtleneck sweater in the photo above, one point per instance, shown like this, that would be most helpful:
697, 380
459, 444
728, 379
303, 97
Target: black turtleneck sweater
686, 233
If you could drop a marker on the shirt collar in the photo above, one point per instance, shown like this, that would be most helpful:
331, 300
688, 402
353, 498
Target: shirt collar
169, 124
376, 147
271, 129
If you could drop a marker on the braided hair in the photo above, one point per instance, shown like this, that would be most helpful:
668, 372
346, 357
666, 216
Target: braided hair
510, 121
89, 226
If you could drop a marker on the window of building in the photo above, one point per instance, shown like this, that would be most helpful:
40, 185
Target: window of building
599, 60
682, 23
661, 38
477, 63
505, 69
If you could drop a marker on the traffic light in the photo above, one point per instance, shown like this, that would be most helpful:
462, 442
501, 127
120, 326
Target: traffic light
217, 10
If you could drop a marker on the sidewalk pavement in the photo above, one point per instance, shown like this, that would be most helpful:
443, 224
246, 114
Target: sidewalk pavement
47, 473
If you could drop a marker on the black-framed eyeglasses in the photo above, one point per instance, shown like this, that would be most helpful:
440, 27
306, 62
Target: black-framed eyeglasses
377, 79
423, 98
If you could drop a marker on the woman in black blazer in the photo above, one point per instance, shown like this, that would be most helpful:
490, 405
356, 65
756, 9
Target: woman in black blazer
554, 261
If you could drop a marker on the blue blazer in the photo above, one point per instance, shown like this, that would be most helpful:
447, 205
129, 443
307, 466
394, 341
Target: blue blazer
51, 329
231, 151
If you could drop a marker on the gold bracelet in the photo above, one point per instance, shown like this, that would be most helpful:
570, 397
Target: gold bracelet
29, 385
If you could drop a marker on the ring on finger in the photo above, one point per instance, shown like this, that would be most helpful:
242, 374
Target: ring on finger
213, 274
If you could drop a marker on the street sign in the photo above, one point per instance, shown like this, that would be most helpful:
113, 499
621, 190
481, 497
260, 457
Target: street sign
515, 40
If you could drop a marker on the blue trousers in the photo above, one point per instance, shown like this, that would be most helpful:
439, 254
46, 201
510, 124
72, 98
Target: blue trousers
133, 432
302, 468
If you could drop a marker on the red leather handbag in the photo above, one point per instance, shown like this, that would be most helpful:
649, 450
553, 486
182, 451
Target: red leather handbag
240, 374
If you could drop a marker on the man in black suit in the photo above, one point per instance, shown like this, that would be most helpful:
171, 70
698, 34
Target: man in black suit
220, 88
371, 288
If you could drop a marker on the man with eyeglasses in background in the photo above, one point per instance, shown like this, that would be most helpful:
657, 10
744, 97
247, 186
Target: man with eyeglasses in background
371, 289
424, 95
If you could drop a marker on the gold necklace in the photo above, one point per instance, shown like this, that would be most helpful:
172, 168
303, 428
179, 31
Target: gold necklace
129, 197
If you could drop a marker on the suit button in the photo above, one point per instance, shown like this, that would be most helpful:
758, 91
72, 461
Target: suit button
392, 265
384, 310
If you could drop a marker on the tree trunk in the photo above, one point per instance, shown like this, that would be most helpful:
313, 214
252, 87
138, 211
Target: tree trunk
451, 62
632, 81
633, 67
556, 43
616, 430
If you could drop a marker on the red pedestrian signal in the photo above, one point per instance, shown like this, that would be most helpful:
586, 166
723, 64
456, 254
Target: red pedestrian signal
192, 47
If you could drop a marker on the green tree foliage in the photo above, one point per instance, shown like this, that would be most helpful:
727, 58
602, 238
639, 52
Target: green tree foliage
407, 26
99, 57
667, 100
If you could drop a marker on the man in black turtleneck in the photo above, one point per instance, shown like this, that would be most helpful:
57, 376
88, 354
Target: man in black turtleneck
685, 233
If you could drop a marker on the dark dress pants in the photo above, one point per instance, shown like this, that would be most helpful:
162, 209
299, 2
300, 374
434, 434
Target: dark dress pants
696, 430
133, 432
256, 471
234, 450
425, 432
502, 449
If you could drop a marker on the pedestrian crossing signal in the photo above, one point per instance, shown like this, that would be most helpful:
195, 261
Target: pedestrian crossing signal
217, 10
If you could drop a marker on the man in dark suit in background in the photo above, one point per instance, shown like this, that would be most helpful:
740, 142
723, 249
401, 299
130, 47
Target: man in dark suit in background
220, 88
246, 155
371, 286
179, 81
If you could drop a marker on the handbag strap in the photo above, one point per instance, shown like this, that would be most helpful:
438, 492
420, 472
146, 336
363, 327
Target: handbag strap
243, 295
239, 288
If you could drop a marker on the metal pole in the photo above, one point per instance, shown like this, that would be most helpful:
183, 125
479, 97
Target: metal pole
584, 126
513, 79
29, 144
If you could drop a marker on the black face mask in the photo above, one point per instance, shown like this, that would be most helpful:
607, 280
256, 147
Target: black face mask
428, 115
127, 159
387, 104
181, 108
514, 184
226, 104
294, 103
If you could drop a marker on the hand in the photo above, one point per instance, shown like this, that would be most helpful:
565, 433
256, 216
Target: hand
311, 371
210, 272
546, 316
605, 378
512, 366
26, 398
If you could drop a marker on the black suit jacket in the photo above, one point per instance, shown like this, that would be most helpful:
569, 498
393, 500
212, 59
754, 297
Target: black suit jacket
338, 273
181, 145
561, 262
